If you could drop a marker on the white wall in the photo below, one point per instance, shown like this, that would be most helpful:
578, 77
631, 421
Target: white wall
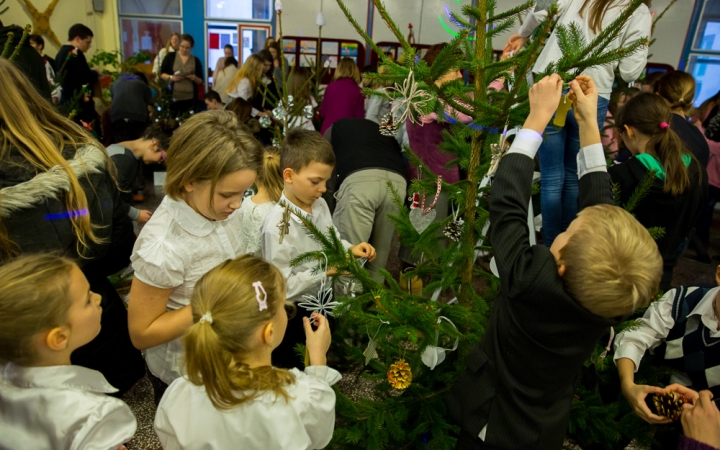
299, 19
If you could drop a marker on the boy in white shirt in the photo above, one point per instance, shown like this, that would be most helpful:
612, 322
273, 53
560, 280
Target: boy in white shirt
307, 162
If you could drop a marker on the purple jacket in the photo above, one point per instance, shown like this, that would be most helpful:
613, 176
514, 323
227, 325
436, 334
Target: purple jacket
343, 99
424, 142
686, 443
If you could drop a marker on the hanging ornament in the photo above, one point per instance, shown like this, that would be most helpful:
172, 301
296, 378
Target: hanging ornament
265, 121
562, 111
434, 355
278, 5
308, 112
388, 127
453, 230
323, 303
421, 218
279, 113
399, 375
411, 34
370, 352
320, 19
290, 102
499, 150
411, 100
284, 224
668, 405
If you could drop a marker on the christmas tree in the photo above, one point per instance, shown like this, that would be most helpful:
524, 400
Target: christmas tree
395, 336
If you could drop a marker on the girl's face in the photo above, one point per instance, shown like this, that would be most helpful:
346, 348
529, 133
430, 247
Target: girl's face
273, 52
175, 41
229, 192
229, 52
85, 311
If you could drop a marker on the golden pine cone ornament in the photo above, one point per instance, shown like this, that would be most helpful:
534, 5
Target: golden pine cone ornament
668, 405
399, 375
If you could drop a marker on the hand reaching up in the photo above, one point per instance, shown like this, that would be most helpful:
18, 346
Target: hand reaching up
544, 100
584, 94
318, 341
364, 250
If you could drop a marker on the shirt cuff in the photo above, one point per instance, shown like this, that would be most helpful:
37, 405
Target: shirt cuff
331, 376
591, 159
133, 213
527, 142
630, 352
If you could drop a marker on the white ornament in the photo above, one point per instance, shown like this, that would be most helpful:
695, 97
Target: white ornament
323, 304
420, 220
410, 102
320, 19
308, 112
433, 355
278, 5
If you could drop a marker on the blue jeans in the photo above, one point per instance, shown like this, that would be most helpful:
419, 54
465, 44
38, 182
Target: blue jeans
558, 169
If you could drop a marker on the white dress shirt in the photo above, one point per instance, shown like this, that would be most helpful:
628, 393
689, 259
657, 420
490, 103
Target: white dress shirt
253, 217
175, 248
300, 279
186, 419
631, 67
655, 325
61, 408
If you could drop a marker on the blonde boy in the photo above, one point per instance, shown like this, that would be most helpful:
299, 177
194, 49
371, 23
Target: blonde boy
307, 161
554, 304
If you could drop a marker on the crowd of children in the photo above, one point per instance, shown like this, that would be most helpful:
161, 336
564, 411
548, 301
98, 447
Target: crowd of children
214, 301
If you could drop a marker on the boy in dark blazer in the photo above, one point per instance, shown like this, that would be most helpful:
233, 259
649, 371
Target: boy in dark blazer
554, 304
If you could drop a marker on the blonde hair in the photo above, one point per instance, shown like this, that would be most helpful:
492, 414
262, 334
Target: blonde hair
30, 126
678, 88
33, 299
299, 87
207, 147
169, 44
612, 264
269, 177
248, 70
212, 349
347, 68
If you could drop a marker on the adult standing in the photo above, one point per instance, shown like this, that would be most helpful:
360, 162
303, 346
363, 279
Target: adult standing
558, 153
72, 68
223, 77
172, 46
343, 97
186, 73
130, 106
229, 52
80, 215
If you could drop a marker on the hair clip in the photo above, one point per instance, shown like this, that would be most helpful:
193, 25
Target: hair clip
262, 304
664, 125
207, 317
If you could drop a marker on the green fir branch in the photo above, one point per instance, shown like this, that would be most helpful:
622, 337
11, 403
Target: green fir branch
26, 33
640, 191
511, 13
6, 48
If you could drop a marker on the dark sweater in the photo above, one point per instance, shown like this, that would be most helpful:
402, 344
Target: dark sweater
28, 60
358, 145
693, 138
128, 168
131, 98
75, 74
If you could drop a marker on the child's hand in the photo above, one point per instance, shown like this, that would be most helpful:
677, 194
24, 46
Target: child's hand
544, 100
331, 272
702, 421
585, 96
690, 395
515, 43
364, 250
635, 395
144, 216
318, 341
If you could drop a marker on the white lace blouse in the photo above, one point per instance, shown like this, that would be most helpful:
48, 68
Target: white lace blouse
175, 248
252, 222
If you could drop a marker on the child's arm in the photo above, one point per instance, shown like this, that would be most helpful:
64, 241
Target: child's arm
512, 186
638, 27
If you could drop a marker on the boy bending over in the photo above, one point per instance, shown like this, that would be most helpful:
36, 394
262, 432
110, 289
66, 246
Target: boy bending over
554, 304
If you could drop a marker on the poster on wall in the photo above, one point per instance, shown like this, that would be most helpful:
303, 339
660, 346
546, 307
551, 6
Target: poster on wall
289, 45
307, 60
330, 62
389, 50
291, 59
349, 49
308, 47
330, 48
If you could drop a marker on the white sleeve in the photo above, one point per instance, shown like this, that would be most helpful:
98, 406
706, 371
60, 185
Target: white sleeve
639, 26
110, 425
157, 263
319, 419
373, 109
591, 159
532, 20
654, 327
244, 89
164, 430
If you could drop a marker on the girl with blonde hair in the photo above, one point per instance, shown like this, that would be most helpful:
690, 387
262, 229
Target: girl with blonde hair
172, 46
269, 183
58, 194
212, 160
247, 80
343, 96
48, 311
232, 392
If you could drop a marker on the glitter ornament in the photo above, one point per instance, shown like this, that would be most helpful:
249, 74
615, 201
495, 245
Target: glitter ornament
323, 303
388, 126
290, 101
279, 113
308, 112
453, 230
399, 375
265, 121
668, 405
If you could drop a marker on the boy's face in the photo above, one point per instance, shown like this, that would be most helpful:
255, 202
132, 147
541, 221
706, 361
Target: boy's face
308, 184
562, 240
152, 152
213, 105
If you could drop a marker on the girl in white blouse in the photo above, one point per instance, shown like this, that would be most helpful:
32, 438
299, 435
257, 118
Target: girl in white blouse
232, 397
269, 185
211, 162
48, 311
246, 81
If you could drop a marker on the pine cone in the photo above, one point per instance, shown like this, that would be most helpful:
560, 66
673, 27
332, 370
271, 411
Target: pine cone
668, 405
400, 375
453, 230
388, 127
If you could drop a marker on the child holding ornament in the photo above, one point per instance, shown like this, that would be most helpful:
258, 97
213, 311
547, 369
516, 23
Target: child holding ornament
211, 162
307, 163
554, 304
45, 402
232, 396
254, 209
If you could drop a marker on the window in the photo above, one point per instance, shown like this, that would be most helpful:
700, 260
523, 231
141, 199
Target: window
218, 37
703, 52
150, 8
146, 35
243, 9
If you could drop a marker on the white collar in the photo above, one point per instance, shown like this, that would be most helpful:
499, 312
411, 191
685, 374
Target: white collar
298, 211
189, 219
705, 310
58, 377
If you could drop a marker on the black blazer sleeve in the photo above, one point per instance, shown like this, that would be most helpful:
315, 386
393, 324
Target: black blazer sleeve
198, 69
595, 189
167, 63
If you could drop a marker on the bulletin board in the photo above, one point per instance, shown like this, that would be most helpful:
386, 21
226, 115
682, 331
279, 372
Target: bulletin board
302, 51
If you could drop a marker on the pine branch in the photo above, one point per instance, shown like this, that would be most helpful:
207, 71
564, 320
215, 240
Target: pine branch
25, 35
393, 27
660, 16
6, 48
511, 13
381, 54
641, 191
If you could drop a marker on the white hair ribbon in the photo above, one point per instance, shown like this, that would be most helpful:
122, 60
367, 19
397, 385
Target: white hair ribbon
207, 317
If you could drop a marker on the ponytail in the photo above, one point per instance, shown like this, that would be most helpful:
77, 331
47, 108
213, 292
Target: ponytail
650, 115
269, 177
678, 89
226, 318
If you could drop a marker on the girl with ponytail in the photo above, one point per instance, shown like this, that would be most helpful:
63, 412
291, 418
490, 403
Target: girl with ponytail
674, 198
231, 396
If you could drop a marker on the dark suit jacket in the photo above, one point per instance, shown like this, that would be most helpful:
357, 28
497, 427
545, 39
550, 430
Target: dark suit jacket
74, 74
520, 378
